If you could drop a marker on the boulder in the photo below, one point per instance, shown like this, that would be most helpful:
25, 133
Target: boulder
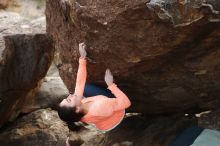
164, 55
148, 131
4, 4
26, 53
51, 91
43, 127
210, 120
30, 9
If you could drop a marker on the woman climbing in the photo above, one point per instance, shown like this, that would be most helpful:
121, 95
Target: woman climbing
105, 113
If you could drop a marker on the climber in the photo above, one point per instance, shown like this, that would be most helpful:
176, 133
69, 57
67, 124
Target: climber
105, 113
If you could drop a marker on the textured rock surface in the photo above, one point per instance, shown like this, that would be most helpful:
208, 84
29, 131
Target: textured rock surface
147, 131
24, 61
210, 120
43, 127
50, 93
164, 54
4, 4
30, 9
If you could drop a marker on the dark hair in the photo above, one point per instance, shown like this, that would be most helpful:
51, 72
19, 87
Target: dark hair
69, 114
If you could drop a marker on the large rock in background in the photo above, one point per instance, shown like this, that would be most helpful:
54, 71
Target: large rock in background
31, 9
50, 93
164, 54
26, 53
4, 4
43, 127
148, 131
210, 120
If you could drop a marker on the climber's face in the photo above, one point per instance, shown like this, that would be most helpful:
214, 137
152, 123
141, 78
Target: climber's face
71, 101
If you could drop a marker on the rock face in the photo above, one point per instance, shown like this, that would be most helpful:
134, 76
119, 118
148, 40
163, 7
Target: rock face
50, 93
147, 131
210, 120
24, 61
164, 54
31, 9
4, 4
43, 127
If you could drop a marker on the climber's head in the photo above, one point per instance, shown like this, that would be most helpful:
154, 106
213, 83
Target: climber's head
69, 109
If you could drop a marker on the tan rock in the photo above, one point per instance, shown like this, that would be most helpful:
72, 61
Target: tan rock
4, 4
26, 53
43, 127
163, 53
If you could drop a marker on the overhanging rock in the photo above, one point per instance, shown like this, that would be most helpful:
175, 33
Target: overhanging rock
165, 55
